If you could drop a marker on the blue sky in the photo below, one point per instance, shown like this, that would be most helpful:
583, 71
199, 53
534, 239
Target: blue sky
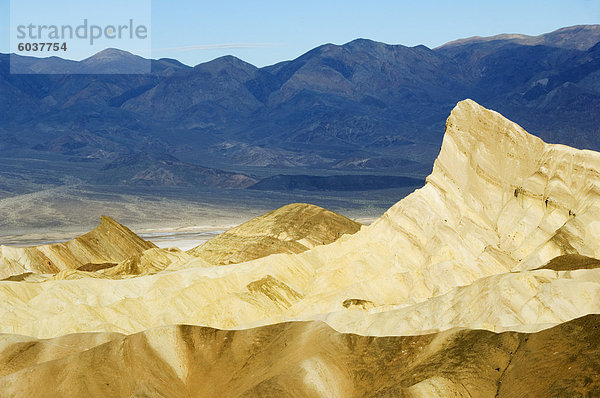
266, 32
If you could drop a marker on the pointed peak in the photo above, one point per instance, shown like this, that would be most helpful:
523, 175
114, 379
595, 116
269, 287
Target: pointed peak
110, 223
112, 229
227, 64
490, 140
226, 60
107, 220
468, 103
468, 115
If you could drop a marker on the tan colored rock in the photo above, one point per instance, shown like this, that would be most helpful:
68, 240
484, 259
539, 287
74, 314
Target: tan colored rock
110, 242
459, 252
307, 359
524, 301
290, 229
278, 231
148, 262
21, 352
570, 262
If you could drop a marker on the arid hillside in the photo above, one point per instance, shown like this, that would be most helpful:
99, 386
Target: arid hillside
484, 282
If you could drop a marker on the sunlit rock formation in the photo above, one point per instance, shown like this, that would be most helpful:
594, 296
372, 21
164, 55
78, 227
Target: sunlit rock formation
294, 228
305, 359
470, 286
109, 243
460, 252
291, 229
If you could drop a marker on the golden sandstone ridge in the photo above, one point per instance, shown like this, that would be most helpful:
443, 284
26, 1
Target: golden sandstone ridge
502, 238
109, 243
113, 251
291, 229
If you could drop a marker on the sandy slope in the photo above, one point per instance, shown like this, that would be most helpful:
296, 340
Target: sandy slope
307, 359
110, 242
294, 228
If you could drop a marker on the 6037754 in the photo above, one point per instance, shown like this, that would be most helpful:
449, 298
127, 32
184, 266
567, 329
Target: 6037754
42, 46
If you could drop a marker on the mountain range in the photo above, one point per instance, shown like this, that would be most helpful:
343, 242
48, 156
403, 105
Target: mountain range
360, 106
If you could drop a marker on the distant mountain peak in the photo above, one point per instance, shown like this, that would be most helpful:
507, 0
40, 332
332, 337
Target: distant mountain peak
580, 37
361, 41
588, 28
112, 54
228, 65
227, 60
113, 60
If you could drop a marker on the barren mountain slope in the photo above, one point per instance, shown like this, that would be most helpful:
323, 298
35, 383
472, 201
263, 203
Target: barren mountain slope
309, 359
462, 251
291, 229
110, 242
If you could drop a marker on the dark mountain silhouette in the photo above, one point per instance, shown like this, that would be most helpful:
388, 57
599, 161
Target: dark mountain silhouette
363, 104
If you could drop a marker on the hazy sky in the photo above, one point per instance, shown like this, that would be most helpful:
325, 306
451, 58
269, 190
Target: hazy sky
266, 32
